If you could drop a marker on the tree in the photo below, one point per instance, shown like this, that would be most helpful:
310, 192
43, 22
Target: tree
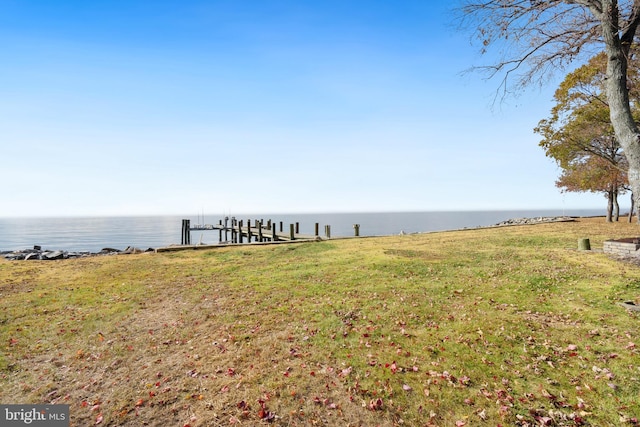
597, 175
536, 37
580, 137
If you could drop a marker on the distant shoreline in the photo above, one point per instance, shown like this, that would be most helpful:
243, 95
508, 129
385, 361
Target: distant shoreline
37, 253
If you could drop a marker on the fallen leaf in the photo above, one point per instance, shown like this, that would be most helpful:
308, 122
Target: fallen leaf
266, 415
345, 372
544, 421
375, 404
464, 380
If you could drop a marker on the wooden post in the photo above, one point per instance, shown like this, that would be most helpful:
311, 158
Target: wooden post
281, 226
248, 231
234, 223
584, 245
327, 231
356, 229
186, 232
292, 235
240, 231
260, 239
297, 228
273, 232
317, 229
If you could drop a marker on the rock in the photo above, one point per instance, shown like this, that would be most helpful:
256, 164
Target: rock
535, 220
49, 255
109, 250
630, 305
52, 255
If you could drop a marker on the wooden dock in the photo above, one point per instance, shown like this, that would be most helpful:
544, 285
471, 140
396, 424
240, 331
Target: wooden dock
234, 232
237, 231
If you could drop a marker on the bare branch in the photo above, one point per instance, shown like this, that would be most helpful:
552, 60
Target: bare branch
533, 38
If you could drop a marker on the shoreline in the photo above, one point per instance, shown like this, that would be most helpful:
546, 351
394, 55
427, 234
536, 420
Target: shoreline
37, 253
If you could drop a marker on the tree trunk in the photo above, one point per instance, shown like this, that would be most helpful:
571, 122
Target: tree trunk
631, 209
616, 206
610, 206
618, 96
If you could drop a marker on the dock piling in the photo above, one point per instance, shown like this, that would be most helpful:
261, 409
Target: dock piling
186, 232
232, 230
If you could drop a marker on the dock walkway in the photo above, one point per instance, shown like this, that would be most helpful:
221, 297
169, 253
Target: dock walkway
234, 232
238, 232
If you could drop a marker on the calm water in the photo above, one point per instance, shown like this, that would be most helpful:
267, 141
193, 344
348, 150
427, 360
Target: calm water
93, 234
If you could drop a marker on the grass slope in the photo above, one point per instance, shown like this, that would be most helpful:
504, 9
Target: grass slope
503, 326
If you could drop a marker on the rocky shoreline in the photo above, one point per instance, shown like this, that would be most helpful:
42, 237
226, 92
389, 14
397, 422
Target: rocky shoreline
535, 220
37, 253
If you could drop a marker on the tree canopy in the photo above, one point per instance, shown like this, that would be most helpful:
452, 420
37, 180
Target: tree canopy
579, 136
535, 37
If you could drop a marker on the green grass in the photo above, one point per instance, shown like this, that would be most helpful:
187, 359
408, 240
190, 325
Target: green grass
509, 326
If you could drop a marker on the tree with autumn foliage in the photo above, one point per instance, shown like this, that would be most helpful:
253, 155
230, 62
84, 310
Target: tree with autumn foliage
580, 137
535, 37
596, 175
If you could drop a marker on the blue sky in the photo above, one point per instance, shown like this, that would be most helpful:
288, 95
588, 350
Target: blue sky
259, 106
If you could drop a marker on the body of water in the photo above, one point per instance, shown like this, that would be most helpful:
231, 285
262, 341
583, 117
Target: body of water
96, 233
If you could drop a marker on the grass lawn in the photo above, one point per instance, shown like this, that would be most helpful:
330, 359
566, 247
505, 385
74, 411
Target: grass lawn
499, 326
